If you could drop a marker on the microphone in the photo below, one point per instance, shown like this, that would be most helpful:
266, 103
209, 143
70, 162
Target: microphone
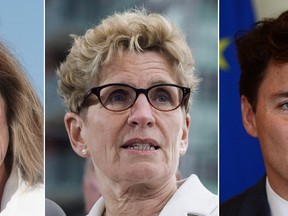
53, 209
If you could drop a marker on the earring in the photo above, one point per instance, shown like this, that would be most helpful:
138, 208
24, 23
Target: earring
181, 150
84, 151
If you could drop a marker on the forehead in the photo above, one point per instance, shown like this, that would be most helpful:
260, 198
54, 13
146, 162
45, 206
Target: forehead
274, 87
276, 78
138, 68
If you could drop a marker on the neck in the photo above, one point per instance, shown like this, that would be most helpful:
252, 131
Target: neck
3, 179
141, 199
279, 184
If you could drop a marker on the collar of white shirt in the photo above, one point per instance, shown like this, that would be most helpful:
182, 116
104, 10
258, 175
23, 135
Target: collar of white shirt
278, 206
191, 198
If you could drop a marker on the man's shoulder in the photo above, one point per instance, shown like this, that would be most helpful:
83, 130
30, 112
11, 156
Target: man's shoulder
238, 203
252, 202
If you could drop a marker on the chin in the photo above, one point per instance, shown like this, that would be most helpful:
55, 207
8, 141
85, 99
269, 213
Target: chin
144, 173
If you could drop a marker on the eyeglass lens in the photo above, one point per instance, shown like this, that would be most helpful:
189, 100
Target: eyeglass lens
117, 97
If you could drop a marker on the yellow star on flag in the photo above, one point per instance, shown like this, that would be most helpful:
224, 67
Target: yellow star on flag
223, 46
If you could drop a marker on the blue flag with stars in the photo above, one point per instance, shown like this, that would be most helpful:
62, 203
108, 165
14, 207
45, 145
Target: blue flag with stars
241, 163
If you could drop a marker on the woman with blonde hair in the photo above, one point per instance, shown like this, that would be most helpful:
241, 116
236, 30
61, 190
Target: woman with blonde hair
21, 141
127, 85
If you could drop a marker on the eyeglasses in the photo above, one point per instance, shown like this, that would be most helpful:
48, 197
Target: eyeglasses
119, 97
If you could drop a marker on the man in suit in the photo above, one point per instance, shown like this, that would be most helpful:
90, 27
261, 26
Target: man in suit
263, 58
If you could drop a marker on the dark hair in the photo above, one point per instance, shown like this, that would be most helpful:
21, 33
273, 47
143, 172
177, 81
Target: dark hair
265, 42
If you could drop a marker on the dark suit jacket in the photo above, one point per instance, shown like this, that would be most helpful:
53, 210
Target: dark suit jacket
252, 202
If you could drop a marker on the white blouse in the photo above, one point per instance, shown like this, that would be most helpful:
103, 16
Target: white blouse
20, 199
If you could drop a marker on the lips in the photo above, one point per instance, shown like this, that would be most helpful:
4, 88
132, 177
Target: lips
141, 144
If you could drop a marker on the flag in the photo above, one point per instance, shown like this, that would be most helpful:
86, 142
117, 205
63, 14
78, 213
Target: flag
241, 163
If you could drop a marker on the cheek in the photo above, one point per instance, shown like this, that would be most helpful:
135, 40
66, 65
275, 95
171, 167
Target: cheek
279, 137
4, 140
173, 133
101, 135
274, 140
4, 133
178, 126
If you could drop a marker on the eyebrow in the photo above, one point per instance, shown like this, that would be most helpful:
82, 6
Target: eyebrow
281, 94
150, 83
156, 82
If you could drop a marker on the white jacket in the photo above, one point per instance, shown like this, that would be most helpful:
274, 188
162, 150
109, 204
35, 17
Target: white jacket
21, 200
191, 198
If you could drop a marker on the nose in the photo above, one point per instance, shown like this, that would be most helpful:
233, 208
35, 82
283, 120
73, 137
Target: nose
141, 113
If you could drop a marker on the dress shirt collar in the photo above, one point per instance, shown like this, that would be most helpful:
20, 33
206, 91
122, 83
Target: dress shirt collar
278, 206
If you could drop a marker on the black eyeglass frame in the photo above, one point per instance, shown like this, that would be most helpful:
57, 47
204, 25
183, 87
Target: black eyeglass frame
96, 91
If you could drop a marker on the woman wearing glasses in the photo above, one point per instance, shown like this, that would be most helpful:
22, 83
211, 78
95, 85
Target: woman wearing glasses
127, 85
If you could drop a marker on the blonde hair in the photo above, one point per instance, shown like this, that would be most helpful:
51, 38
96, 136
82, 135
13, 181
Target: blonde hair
24, 115
128, 31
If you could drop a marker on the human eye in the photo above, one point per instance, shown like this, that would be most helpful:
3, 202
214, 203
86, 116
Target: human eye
118, 96
161, 96
284, 106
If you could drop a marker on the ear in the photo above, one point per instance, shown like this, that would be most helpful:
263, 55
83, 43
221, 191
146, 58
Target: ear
185, 133
248, 117
74, 124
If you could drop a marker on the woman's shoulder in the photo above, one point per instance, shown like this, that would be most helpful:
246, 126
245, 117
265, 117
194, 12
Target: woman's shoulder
21, 199
27, 201
32, 192
192, 197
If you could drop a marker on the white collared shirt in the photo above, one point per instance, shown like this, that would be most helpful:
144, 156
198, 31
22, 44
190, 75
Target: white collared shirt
278, 206
191, 198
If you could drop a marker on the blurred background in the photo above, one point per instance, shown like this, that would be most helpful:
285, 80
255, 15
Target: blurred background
22, 31
241, 162
199, 20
